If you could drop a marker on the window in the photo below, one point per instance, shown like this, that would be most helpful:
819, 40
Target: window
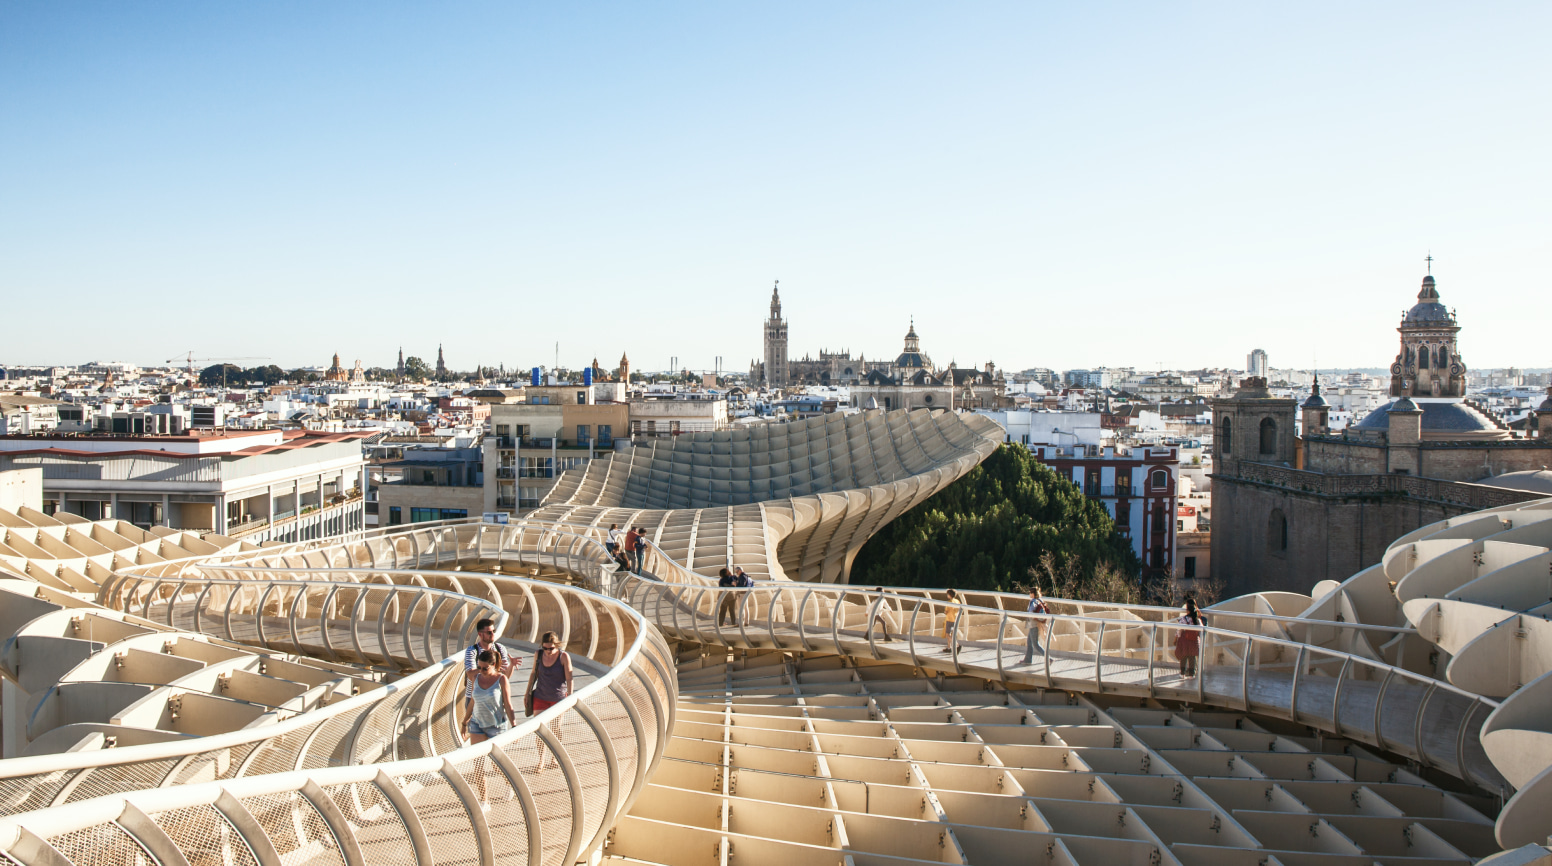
1277, 533
581, 398
1422, 358
536, 467
503, 429
1190, 573
927, 399
1159, 480
1158, 522
1180, 526
395, 516
426, 515
1226, 438
605, 435
582, 434
1268, 436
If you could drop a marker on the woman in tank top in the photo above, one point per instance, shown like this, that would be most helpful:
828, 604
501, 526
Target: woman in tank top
549, 683
488, 707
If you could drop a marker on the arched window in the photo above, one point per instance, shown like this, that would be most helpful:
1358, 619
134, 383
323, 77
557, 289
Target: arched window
1444, 358
1226, 443
1277, 532
1159, 480
1268, 436
1422, 358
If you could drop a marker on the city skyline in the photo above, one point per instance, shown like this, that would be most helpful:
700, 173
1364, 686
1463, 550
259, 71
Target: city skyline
1042, 187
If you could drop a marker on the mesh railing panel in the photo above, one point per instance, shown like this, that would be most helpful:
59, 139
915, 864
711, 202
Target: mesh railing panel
27, 793
101, 845
444, 817
102, 781
503, 810
621, 736
205, 837
327, 748
587, 755
300, 835
378, 827
552, 799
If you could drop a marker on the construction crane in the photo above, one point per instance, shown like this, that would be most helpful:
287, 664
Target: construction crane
191, 360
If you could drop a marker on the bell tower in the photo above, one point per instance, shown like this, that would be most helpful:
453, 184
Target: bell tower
1429, 363
776, 342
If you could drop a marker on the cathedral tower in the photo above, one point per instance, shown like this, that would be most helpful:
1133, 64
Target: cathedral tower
1428, 364
441, 370
776, 342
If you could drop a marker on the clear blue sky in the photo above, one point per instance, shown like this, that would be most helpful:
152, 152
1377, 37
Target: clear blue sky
1057, 185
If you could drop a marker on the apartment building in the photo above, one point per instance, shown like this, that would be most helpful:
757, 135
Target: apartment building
258, 485
560, 428
1138, 486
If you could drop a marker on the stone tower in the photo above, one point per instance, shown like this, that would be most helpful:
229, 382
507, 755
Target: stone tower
1316, 413
624, 369
399, 370
441, 369
1428, 364
776, 342
1253, 426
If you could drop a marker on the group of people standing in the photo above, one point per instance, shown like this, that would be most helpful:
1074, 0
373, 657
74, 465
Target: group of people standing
628, 547
488, 668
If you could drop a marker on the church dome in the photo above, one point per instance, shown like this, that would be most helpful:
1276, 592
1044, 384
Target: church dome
1428, 310
1443, 420
1533, 480
913, 358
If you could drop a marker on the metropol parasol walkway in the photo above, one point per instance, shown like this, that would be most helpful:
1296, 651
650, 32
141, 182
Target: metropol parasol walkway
171, 698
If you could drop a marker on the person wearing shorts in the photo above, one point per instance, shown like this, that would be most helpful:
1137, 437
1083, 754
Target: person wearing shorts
488, 708
549, 683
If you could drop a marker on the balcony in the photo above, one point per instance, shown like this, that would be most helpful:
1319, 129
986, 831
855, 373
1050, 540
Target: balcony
506, 502
1096, 491
506, 442
506, 472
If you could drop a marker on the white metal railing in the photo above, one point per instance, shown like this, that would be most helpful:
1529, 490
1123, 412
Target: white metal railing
390, 761
1394, 709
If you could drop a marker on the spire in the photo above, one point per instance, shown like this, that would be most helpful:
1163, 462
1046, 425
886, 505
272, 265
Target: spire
776, 300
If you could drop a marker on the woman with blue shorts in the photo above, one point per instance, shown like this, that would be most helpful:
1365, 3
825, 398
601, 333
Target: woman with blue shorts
488, 702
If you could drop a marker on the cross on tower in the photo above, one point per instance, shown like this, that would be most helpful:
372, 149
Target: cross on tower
1429, 260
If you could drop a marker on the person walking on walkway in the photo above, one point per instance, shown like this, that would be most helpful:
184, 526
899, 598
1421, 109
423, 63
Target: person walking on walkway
1033, 624
951, 623
549, 684
1188, 640
630, 552
727, 602
485, 641
487, 711
884, 614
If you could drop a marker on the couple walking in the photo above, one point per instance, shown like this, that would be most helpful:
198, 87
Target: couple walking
628, 548
734, 579
1036, 605
487, 710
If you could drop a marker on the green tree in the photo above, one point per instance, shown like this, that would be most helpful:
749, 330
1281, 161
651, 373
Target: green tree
222, 374
414, 368
1004, 523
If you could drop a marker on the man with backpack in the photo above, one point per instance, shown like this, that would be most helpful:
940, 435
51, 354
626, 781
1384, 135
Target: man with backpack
1032, 625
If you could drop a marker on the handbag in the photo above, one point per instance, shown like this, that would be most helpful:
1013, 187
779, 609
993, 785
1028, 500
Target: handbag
528, 704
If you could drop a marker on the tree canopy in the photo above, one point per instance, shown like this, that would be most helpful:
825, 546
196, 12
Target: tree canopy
991, 529
416, 369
